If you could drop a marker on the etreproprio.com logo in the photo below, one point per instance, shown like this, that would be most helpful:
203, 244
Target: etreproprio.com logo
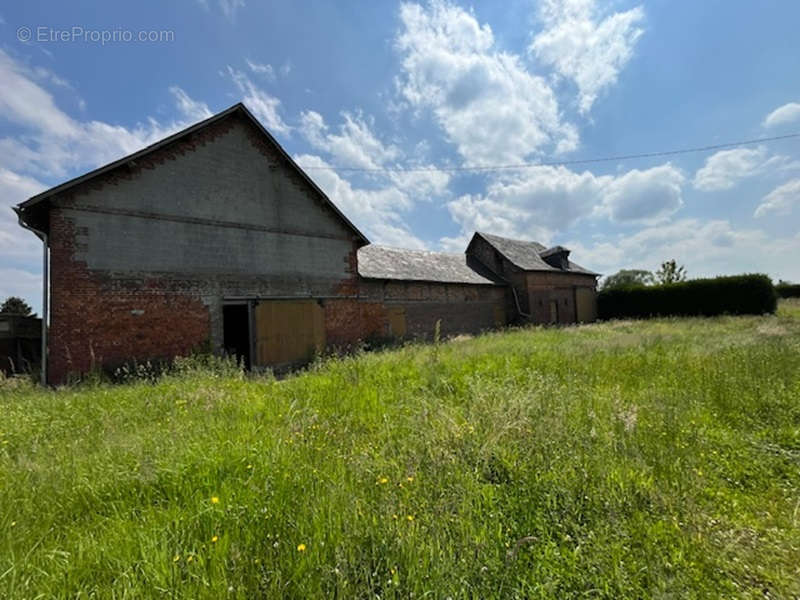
77, 33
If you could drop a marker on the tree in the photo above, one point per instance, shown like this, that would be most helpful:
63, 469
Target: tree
670, 272
17, 306
628, 278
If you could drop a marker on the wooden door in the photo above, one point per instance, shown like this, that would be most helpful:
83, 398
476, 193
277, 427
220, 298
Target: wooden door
397, 321
499, 316
586, 304
288, 331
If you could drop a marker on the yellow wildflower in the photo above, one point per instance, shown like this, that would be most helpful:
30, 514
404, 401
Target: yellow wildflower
383, 480
190, 558
410, 479
176, 558
215, 539
410, 517
301, 548
214, 499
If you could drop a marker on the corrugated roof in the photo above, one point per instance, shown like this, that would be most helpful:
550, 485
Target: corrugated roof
381, 262
527, 254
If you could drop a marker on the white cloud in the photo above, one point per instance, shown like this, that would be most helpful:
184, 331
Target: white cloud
645, 197
584, 48
539, 201
781, 200
23, 284
382, 199
24, 102
497, 216
18, 247
456, 243
378, 212
46, 75
356, 145
726, 168
53, 143
489, 106
263, 105
261, 69
706, 248
230, 7
192, 109
782, 115
15, 243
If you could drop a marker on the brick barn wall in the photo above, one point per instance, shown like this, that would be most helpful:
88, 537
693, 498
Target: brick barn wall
350, 321
143, 256
544, 287
95, 322
461, 308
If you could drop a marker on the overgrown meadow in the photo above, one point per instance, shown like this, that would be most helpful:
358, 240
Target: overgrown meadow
619, 460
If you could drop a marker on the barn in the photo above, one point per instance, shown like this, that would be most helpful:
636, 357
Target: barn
215, 239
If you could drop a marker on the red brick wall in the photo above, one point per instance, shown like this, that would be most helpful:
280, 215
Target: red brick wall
95, 322
461, 308
350, 321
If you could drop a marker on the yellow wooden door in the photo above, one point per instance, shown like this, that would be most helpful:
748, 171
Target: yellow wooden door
499, 316
397, 321
288, 331
586, 304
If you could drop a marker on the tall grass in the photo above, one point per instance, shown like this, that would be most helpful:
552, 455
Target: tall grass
626, 459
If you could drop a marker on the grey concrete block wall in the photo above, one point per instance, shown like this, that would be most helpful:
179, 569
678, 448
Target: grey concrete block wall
226, 180
130, 243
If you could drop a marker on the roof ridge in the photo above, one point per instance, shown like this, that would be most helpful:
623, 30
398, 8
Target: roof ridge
388, 247
501, 237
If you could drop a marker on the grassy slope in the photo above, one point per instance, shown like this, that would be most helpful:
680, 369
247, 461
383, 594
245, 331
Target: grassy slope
616, 460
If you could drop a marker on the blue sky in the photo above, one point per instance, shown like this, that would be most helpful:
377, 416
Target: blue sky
424, 85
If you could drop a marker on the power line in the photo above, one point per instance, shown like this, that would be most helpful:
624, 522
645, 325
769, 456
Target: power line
556, 163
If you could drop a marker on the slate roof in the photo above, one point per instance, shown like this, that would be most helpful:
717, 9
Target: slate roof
382, 262
527, 255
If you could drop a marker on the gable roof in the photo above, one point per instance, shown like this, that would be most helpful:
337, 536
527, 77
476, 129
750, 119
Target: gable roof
382, 262
25, 207
527, 255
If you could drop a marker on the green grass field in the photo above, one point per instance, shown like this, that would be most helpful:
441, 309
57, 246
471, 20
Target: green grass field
623, 459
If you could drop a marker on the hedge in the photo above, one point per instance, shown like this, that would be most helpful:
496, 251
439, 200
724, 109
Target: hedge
788, 290
736, 295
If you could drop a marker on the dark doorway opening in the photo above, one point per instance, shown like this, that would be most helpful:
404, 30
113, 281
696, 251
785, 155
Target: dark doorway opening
236, 331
